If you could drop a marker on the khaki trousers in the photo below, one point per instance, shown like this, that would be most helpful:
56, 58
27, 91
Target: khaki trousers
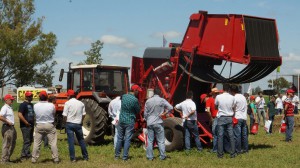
42, 130
9, 135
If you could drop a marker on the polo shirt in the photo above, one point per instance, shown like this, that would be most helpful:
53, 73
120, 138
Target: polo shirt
240, 106
7, 113
44, 112
290, 107
74, 110
129, 108
187, 107
225, 103
210, 102
271, 108
279, 103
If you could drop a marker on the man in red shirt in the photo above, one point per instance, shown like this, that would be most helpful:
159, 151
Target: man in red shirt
212, 111
289, 115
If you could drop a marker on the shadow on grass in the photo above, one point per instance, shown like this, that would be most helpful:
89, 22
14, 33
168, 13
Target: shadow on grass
260, 146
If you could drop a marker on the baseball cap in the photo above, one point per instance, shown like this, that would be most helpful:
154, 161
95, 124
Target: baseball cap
28, 94
71, 92
202, 97
43, 93
252, 97
136, 87
290, 91
9, 96
215, 90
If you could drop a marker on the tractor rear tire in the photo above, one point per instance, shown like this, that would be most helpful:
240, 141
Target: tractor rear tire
96, 123
173, 134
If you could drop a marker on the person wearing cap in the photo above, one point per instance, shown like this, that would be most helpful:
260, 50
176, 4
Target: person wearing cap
114, 108
260, 103
253, 115
289, 115
224, 103
189, 115
26, 116
129, 108
8, 131
240, 130
44, 113
212, 111
155, 108
74, 113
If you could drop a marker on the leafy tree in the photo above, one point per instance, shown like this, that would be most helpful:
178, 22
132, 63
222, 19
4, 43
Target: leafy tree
24, 48
256, 90
93, 56
279, 84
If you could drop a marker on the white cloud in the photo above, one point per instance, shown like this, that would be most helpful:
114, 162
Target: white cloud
119, 41
119, 55
168, 34
297, 71
62, 60
291, 57
80, 41
262, 4
78, 53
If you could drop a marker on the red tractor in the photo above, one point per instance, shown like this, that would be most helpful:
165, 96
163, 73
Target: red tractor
210, 39
94, 85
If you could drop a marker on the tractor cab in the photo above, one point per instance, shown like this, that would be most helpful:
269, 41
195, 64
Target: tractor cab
111, 80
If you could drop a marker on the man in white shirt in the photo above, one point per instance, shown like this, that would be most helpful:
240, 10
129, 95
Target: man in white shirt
225, 103
240, 129
279, 104
9, 133
189, 115
74, 113
260, 104
114, 109
295, 102
44, 113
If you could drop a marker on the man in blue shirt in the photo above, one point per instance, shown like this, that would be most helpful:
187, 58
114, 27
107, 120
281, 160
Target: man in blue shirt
129, 108
26, 116
155, 108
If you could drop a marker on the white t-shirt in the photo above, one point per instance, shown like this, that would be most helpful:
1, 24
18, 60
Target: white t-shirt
187, 107
114, 107
240, 107
279, 104
44, 112
261, 104
283, 98
7, 113
74, 110
295, 100
225, 103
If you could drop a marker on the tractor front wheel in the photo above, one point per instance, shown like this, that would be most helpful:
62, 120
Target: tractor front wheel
95, 122
173, 134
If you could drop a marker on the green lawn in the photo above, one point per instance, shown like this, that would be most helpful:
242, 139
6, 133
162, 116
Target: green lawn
265, 151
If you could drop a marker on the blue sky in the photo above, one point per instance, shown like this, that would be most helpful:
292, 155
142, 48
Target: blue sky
127, 27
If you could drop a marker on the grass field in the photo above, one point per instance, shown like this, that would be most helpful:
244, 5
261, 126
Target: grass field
265, 151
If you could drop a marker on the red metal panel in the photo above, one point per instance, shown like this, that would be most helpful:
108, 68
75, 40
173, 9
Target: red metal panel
137, 69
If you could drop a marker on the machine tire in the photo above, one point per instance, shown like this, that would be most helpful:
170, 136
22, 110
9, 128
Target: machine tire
173, 134
97, 122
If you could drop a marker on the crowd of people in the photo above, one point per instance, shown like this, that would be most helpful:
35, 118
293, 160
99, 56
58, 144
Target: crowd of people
37, 125
227, 109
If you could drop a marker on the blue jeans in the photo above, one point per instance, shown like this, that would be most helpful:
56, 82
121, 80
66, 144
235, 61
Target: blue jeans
289, 127
271, 118
27, 133
125, 132
191, 127
156, 130
241, 136
116, 136
225, 124
215, 135
72, 128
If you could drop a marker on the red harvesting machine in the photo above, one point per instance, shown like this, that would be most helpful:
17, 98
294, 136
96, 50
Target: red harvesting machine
209, 40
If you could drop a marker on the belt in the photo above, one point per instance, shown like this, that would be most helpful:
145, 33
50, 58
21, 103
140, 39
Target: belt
8, 125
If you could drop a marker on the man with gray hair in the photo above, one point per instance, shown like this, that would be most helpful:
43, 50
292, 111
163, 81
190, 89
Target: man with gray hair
155, 108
